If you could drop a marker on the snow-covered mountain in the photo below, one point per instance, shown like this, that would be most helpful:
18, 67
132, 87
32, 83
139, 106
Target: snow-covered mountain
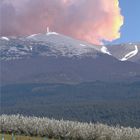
126, 52
50, 44
52, 57
54, 44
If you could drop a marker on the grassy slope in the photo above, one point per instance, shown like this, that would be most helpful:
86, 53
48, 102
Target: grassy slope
9, 137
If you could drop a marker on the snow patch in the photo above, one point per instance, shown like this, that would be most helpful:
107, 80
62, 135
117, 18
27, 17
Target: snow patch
131, 54
83, 45
52, 33
13, 49
105, 50
5, 38
33, 35
31, 48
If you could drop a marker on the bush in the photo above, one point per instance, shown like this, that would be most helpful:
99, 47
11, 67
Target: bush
68, 130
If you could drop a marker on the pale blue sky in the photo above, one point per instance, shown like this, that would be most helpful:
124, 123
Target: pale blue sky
130, 32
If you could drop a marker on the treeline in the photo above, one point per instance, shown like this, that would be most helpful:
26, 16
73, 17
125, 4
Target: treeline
110, 103
67, 130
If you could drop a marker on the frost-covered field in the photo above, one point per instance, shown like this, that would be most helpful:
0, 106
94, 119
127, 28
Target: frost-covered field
33, 126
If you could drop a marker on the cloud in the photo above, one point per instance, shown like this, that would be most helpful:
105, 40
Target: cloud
89, 20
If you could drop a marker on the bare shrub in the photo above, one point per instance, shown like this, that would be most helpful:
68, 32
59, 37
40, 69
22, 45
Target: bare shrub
67, 130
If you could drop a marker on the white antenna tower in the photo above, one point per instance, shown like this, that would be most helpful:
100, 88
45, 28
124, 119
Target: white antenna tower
48, 30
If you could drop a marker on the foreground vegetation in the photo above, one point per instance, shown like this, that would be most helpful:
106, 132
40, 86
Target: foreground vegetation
109, 103
18, 137
33, 126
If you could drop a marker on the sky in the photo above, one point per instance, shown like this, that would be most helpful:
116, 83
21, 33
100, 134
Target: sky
88, 20
130, 31
95, 21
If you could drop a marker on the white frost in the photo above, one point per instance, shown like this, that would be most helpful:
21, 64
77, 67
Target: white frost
105, 50
31, 35
131, 54
31, 48
5, 38
52, 33
82, 45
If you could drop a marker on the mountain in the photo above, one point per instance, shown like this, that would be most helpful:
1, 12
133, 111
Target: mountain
45, 45
59, 77
126, 52
55, 58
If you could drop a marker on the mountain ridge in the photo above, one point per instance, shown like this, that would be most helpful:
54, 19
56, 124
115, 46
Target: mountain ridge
57, 44
57, 58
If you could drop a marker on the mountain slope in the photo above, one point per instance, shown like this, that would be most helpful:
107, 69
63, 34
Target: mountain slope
45, 45
126, 52
56, 58
62, 69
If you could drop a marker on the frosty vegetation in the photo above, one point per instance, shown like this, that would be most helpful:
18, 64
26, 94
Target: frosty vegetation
67, 130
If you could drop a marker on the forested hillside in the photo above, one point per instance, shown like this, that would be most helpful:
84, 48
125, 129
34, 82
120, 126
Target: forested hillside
111, 103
